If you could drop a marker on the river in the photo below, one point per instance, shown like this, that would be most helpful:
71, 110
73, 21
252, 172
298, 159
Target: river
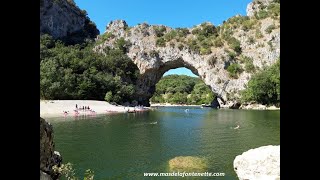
124, 146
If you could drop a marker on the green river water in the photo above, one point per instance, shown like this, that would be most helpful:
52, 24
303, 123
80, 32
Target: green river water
124, 146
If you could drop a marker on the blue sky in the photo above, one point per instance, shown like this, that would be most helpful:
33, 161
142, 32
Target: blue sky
173, 13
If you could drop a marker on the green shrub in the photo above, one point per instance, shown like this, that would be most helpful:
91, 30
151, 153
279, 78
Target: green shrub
262, 14
248, 24
206, 43
205, 30
258, 34
193, 45
270, 28
218, 42
274, 9
170, 35
106, 36
234, 69
244, 59
159, 30
122, 44
195, 31
204, 51
161, 42
234, 44
182, 32
249, 66
108, 96
67, 171
231, 54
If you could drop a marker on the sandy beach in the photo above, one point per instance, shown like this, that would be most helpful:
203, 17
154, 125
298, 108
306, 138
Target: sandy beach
55, 108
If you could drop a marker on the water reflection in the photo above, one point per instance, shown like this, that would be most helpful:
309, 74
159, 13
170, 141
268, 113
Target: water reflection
124, 146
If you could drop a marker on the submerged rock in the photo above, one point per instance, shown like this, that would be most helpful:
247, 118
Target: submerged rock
187, 163
259, 163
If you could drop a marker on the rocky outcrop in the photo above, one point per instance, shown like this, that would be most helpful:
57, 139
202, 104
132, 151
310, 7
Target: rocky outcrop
48, 157
256, 106
154, 60
62, 19
257, 5
259, 163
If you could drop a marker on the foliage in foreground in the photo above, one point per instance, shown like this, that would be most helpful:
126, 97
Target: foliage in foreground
182, 89
264, 87
67, 171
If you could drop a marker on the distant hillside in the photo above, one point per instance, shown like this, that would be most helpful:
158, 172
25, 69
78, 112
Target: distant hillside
182, 89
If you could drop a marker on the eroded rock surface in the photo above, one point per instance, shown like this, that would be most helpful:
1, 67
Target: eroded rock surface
259, 163
154, 60
48, 157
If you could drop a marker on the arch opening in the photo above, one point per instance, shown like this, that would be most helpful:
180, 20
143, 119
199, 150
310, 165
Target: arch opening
181, 88
146, 84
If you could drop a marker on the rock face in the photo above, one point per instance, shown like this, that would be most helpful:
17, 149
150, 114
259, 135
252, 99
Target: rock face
153, 60
62, 19
48, 157
260, 163
256, 6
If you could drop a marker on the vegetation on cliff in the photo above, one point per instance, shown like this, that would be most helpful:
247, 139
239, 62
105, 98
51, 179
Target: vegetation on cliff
206, 37
67, 171
182, 89
76, 72
264, 87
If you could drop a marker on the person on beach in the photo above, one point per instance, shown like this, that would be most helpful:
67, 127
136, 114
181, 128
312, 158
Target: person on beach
76, 113
65, 113
76, 106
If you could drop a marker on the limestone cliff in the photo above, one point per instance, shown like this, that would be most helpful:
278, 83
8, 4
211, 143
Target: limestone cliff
156, 49
62, 19
48, 157
257, 5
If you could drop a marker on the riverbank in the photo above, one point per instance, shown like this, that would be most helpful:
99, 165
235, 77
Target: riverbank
170, 105
56, 108
258, 107
227, 106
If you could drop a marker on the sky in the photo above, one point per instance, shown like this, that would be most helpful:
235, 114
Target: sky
173, 13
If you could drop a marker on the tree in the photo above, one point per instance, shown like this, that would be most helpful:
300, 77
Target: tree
108, 96
264, 87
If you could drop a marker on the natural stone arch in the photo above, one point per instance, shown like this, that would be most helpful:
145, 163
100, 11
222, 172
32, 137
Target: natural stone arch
153, 60
150, 77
